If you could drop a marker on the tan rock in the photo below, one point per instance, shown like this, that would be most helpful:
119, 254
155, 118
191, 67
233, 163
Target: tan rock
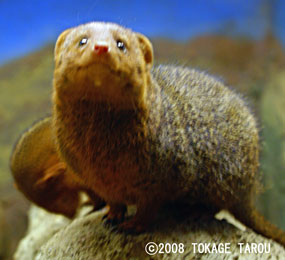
54, 237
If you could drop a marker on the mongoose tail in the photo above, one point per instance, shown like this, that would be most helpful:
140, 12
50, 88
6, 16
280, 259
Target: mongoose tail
256, 221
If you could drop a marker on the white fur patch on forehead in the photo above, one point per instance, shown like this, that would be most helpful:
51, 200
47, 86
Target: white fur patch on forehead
102, 26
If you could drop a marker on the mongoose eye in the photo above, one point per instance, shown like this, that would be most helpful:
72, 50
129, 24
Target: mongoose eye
83, 41
121, 46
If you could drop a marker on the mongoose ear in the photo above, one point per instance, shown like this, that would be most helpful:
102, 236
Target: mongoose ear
52, 174
59, 42
146, 47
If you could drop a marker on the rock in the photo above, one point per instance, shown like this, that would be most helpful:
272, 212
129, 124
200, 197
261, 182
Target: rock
54, 237
42, 227
13, 219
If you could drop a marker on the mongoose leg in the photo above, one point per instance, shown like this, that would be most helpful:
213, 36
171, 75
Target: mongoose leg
94, 200
116, 213
146, 213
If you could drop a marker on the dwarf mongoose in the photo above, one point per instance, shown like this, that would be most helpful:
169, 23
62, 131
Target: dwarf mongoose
142, 135
42, 177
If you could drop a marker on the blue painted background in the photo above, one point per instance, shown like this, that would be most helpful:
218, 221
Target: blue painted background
27, 25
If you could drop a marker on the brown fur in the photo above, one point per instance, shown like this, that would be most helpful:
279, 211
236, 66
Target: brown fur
146, 136
40, 174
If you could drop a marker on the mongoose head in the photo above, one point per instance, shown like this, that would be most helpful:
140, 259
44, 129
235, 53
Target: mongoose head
54, 193
104, 62
49, 188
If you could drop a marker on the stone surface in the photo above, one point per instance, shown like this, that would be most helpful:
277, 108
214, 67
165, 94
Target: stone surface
42, 227
86, 237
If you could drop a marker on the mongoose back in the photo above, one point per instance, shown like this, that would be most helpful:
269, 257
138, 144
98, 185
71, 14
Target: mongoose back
142, 135
40, 174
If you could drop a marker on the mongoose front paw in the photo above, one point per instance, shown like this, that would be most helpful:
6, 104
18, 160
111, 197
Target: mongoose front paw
115, 215
94, 200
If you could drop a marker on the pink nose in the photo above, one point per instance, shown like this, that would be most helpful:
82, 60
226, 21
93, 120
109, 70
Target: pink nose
101, 48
